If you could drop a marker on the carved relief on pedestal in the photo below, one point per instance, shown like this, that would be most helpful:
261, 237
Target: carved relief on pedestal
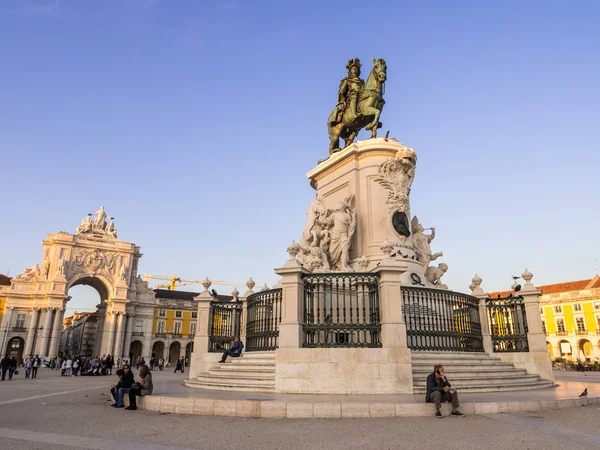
327, 236
396, 176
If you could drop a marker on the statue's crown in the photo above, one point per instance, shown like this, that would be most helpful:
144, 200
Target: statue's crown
354, 62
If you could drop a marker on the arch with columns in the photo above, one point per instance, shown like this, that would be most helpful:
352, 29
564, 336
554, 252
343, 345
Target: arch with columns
37, 297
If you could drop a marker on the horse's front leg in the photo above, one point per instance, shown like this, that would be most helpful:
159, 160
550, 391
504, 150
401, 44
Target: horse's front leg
334, 138
376, 113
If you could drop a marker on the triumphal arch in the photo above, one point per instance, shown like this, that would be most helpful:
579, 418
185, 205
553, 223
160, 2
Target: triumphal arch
36, 299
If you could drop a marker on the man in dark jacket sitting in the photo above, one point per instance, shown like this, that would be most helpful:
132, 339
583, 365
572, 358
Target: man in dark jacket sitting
440, 390
235, 351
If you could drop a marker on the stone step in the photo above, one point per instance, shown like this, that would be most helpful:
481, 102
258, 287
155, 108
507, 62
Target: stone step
499, 388
460, 383
242, 367
258, 355
457, 363
468, 374
241, 387
452, 356
241, 371
238, 376
226, 379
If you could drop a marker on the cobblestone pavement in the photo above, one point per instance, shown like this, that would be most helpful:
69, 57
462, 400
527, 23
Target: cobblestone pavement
54, 412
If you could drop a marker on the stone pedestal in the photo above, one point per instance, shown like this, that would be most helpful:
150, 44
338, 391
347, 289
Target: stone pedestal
200, 358
378, 172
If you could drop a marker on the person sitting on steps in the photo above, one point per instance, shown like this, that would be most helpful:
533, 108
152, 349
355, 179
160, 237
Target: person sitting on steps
235, 351
440, 390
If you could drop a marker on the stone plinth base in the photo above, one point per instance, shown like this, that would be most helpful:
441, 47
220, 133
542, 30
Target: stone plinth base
343, 371
200, 362
535, 363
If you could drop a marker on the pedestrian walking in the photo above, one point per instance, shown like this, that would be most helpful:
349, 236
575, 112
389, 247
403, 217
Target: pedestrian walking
178, 366
4, 366
13, 367
35, 366
28, 364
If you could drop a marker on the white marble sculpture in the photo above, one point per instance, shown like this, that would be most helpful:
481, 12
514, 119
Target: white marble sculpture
325, 242
46, 267
86, 225
315, 233
123, 272
343, 221
30, 273
396, 176
421, 241
434, 275
111, 231
62, 266
100, 220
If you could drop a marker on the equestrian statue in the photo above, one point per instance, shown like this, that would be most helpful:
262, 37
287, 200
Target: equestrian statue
359, 104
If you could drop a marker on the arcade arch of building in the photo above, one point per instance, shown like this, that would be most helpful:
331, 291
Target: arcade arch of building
35, 300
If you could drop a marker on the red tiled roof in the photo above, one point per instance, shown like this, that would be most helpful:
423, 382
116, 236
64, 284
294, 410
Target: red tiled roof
591, 283
4, 280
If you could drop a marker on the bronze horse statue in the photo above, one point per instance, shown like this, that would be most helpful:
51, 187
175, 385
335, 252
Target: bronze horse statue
370, 101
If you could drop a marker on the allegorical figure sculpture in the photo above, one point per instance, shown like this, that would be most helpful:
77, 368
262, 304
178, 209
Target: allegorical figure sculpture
86, 225
359, 104
100, 221
434, 275
62, 266
343, 225
421, 242
98, 227
325, 242
29, 273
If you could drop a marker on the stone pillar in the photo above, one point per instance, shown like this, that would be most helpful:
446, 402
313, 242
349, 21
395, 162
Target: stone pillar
56, 330
393, 327
5, 328
249, 284
119, 336
41, 347
31, 332
128, 333
110, 316
200, 357
484, 318
291, 334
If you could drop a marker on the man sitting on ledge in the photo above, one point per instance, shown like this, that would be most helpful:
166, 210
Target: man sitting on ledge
235, 351
440, 390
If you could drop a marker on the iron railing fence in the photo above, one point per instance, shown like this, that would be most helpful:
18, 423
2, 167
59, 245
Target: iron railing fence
262, 323
508, 324
438, 320
225, 319
341, 310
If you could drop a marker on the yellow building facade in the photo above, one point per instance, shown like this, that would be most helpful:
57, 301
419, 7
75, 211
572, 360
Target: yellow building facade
571, 319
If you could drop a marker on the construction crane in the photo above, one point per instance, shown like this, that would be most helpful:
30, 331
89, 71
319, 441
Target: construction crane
175, 281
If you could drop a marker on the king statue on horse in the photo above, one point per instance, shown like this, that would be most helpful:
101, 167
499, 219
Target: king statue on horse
359, 104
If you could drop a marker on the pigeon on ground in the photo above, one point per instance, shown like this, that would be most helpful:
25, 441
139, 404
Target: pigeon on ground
584, 393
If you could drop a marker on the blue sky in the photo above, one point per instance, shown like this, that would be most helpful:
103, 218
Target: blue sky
194, 123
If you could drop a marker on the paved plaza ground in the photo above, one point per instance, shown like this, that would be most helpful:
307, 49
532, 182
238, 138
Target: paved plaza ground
54, 412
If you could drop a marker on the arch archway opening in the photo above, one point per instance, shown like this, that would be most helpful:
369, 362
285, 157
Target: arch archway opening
83, 320
174, 352
188, 353
15, 347
135, 351
158, 349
